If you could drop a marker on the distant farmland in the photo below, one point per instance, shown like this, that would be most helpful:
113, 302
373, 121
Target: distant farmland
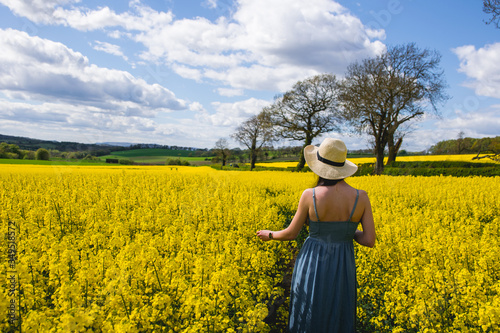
157, 156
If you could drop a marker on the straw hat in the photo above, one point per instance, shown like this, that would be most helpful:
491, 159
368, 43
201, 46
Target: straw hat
329, 159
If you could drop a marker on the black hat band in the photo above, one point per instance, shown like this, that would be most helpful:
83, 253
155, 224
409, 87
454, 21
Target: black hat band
332, 163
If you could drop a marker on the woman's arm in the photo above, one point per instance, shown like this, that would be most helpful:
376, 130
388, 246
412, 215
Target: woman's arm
293, 230
367, 236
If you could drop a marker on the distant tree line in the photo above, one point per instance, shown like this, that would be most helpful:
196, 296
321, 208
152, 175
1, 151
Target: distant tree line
12, 151
464, 145
22, 147
61, 146
157, 146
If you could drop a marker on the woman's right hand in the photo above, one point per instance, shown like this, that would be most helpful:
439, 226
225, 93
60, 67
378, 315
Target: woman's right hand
264, 235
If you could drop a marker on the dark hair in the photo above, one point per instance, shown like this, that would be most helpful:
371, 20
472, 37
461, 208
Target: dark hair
327, 182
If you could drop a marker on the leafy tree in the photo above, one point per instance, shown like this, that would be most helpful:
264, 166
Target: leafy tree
10, 151
489, 147
29, 155
307, 111
492, 7
380, 94
221, 149
42, 154
255, 133
467, 146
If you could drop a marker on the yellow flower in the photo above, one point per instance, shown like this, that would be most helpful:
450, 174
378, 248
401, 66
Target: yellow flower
161, 249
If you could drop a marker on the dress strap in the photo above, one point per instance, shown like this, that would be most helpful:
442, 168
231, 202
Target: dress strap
355, 203
314, 201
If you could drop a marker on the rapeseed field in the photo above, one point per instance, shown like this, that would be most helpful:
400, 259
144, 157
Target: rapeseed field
416, 158
173, 249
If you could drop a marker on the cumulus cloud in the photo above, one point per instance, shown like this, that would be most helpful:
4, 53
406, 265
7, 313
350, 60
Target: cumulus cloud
260, 45
38, 69
90, 124
109, 48
482, 68
256, 45
232, 114
228, 92
69, 117
480, 123
266, 44
210, 3
37, 11
56, 12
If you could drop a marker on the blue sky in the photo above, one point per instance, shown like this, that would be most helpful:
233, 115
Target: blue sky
188, 72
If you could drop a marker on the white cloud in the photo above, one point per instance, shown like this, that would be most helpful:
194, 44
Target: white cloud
89, 124
232, 114
49, 91
317, 33
266, 44
228, 92
258, 45
482, 67
40, 11
188, 72
279, 78
263, 45
71, 117
210, 3
53, 12
196, 107
38, 69
109, 48
480, 123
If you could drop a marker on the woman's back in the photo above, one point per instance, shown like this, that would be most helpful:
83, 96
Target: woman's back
335, 203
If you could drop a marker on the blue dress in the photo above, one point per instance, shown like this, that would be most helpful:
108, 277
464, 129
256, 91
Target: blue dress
323, 290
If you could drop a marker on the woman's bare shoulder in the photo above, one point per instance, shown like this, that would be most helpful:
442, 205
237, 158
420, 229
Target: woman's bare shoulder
307, 193
362, 193
363, 196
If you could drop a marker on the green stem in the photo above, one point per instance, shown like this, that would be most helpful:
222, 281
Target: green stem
157, 277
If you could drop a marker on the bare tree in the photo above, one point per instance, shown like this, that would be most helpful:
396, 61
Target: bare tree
255, 133
306, 111
379, 94
460, 142
221, 149
492, 7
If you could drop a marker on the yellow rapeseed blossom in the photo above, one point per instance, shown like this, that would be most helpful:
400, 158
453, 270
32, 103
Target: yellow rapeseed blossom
173, 249
417, 158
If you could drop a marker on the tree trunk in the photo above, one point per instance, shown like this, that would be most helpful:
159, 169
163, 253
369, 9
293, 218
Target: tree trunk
393, 149
379, 153
302, 160
253, 153
253, 159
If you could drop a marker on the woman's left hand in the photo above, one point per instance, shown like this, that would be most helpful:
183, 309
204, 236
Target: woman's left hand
264, 235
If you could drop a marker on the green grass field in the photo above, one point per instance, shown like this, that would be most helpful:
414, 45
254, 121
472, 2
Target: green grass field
156, 156
146, 156
153, 152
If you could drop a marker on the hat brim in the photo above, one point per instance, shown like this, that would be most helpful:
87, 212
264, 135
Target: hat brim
327, 171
